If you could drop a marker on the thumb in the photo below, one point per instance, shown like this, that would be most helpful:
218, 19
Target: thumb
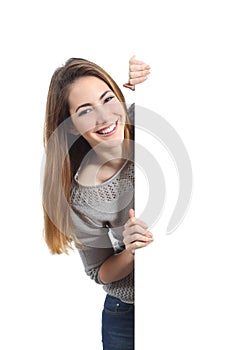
132, 58
131, 213
129, 86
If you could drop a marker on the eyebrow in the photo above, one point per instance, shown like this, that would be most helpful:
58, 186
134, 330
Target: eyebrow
88, 104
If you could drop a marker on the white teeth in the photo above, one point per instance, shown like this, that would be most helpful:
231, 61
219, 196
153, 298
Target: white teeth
108, 130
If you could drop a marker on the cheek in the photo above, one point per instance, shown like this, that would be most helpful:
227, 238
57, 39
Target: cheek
83, 125
117, 109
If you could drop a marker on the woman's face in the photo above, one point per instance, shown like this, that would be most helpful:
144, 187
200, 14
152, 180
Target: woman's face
95, 111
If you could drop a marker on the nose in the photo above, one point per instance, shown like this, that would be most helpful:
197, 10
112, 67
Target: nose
102, 114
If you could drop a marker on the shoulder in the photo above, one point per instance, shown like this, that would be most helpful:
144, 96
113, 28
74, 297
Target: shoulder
86, 175
131, 112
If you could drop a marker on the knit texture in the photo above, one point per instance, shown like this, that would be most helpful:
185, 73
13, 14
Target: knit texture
99, 214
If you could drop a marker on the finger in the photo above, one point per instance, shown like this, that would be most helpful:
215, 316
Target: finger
136, 81
130, 230
137, 245
135, 222
138, 67
136, 237
139, 73
132, 222
133, 60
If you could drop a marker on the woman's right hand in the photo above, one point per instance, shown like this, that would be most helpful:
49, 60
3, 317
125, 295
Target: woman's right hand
136, 234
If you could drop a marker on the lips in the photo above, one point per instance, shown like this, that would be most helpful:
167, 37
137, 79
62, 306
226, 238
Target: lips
109, 130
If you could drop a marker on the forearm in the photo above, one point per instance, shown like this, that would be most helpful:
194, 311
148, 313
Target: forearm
116, 267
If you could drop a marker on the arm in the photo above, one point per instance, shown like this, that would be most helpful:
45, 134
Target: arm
99, 260
116, 267
120, 265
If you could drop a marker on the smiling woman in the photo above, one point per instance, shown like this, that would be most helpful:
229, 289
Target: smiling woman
88, 192
102, 116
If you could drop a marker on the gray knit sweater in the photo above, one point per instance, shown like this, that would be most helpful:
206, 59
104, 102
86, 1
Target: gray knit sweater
99, 214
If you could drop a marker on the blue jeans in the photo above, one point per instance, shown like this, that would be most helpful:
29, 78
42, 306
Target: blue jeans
117, 325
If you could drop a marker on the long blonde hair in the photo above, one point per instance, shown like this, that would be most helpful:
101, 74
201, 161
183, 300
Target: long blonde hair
64, 153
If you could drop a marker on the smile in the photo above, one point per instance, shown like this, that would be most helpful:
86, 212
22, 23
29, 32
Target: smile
108, 130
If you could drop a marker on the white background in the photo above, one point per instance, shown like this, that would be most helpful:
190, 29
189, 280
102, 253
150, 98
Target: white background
183, 281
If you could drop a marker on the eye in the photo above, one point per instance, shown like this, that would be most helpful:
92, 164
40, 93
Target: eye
108, 99
85, 111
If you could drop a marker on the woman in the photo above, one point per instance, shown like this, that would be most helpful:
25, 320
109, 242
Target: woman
88, 185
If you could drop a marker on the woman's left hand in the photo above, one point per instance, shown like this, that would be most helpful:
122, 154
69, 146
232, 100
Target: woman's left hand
136, 234
138, 72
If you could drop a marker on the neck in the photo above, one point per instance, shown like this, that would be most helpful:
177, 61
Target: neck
114, 154
104, 163
109, 156
106, 155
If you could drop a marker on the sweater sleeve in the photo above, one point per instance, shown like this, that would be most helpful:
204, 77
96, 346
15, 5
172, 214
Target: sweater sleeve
97, 246
131, 113
93, 258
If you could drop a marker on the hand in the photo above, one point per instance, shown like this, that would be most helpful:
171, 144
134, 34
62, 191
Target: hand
136, 234
138, 72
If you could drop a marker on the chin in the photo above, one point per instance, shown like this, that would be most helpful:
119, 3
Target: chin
116, 142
